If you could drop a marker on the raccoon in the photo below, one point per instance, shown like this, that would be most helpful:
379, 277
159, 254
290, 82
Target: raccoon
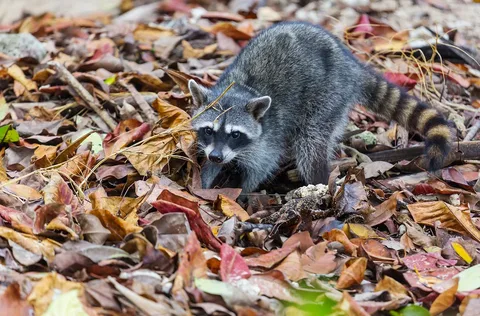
294, 85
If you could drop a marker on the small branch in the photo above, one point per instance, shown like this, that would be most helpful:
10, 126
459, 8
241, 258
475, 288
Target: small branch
472, 132
146, 109
67, 77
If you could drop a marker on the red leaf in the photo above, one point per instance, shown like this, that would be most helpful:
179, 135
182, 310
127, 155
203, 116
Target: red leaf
270, 259
423, 188
400, 79
427, 261
453, 175
363, 25
12, 303
17, 219
232, 267
170, 203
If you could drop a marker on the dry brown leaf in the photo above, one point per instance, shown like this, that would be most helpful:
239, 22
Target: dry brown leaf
339, 235
292, 267
230, 30
48, 288
450, 217
144, 33
29, 243
395, 288
16, 73
118, 227
190, 52
352, 273
23, 191
348, 306
385, 210
230, 208
444, 300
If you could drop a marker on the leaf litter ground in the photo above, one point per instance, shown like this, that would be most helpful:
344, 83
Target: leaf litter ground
100, 204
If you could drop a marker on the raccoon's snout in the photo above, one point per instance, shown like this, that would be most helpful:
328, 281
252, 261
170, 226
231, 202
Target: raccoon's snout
216, 156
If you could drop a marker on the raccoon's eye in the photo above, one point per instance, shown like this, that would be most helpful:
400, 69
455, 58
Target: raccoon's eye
208, 131
235, 134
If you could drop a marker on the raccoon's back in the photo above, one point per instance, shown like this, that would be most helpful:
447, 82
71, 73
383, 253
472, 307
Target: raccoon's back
295, 63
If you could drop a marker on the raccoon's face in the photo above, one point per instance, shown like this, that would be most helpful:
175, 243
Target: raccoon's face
226, 130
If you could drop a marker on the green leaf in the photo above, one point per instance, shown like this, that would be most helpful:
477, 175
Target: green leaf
322, 306
8, 134
411, 310
111, 80
469, 279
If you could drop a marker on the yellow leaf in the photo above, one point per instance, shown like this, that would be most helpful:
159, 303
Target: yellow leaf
66, 304
230, 208
190, 52
16, 73
362, 231
29, 242
48, 289
118, 227
462, 252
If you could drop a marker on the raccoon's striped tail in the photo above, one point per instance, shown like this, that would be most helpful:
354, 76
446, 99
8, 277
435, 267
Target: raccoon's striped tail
393, 103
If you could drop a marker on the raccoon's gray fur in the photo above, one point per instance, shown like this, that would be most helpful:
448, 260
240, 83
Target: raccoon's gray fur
294, 85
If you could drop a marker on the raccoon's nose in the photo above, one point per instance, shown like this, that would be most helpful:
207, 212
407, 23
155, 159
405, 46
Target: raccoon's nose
216, 156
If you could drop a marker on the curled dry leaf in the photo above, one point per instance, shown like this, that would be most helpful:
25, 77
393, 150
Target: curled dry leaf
444, 300
450, 217
230, 208
118, 227
352, 273
338, 235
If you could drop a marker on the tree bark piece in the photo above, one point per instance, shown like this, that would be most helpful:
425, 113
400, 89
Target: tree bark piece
460, 151
67, 77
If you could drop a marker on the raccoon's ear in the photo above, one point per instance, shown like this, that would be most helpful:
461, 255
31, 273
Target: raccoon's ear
259, 106
198, 92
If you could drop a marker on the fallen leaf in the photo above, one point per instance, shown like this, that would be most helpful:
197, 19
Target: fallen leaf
12, 304
49, 286
230, 208
232, 267
444, 300
460, 250
352, 273
190, 52
450, 217
271, 258
192, 265
118, 227
395, 288
469, 279
339, 235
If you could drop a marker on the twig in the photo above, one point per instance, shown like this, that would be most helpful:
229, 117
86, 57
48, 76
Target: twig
146, 109
66, 76
472, 132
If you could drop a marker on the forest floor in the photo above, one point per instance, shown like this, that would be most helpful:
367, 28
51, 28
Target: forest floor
101, 208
